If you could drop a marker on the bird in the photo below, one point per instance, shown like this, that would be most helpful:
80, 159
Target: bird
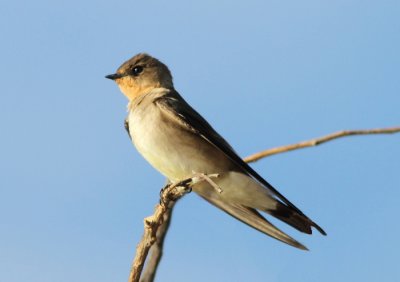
178, 142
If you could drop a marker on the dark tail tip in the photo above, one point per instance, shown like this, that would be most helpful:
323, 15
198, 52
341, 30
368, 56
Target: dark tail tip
316, 226
294, 219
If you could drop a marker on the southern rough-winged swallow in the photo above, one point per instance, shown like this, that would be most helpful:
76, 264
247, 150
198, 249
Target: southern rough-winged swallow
179, 142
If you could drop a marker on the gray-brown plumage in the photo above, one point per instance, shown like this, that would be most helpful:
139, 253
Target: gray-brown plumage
179, 143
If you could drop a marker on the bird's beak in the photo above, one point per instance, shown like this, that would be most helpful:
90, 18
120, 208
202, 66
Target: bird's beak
115, 76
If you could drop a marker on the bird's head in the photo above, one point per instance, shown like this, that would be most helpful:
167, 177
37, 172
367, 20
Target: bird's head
141, 74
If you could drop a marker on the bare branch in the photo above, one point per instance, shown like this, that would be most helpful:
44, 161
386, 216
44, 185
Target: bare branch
153, 225
156, 226
318, 141
156, 251
168, 196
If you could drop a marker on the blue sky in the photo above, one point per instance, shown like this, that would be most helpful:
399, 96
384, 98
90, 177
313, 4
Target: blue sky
74, 191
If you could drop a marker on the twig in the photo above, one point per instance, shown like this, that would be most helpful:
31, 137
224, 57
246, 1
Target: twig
157, 225
168, 195
318, 141
156, 251
156, 231
198, 177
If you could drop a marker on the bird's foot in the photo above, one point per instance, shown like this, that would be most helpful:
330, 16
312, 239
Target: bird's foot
180, 188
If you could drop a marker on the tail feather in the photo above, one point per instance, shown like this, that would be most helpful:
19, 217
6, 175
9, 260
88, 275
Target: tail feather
252, 218
294, 219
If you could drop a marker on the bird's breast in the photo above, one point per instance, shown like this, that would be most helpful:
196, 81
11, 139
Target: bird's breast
171, 148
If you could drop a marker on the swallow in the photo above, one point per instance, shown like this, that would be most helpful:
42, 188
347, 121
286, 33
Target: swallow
178, 142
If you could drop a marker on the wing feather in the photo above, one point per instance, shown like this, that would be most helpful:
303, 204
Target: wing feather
174, 104
192, 119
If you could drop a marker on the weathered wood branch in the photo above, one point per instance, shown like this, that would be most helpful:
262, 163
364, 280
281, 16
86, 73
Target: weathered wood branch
153, 224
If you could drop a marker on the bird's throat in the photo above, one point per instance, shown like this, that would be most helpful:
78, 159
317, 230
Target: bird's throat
132, 90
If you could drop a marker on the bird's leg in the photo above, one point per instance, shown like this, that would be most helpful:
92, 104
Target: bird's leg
167, 185
198, 177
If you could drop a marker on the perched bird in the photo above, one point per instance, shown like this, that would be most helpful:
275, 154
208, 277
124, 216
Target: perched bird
180, 143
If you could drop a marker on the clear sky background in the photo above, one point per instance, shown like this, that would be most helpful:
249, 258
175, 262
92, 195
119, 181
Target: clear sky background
74, 191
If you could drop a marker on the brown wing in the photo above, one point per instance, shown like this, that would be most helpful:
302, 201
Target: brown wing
174, 103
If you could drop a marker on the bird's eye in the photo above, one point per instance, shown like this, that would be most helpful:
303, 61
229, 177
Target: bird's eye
137, 70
